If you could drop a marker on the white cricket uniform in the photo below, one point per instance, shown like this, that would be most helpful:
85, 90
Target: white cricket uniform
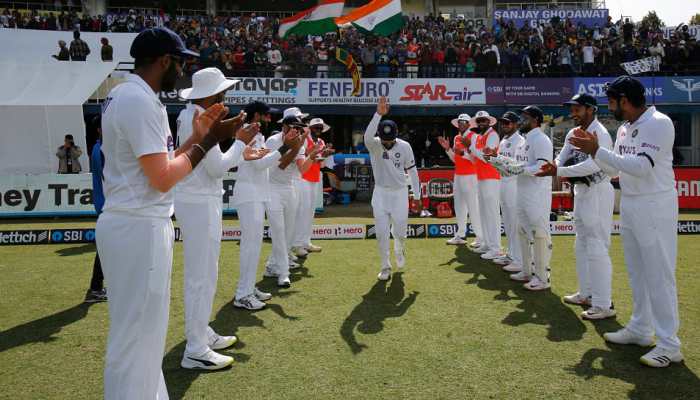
134, 237
250, 196
198, 205
593, 210
535, 204
282, 208
390, 195
308, 191
509, 198
643, 158
489, 192
466, 192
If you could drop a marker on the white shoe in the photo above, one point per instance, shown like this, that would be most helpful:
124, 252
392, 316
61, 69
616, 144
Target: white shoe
311, 248
536, 284
249, 302
481, 249
475, 243
270, 272
598, 313
503, 260
577, 299
624, 336
521, 276
300, 251
512, 268
400, 258
262, 296
218, 342
491, 255
210, 360
661, 358
292, 256
293, 264
456, 241
384, 274
283, 281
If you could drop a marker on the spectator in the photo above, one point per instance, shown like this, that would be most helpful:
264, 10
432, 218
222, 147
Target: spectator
589, 53
106, 51
63, 53
68, 155
369, 59
79, 50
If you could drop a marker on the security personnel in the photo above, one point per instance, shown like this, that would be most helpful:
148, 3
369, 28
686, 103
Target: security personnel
391, 160
134, 233
465, 189
643, 158
594, 199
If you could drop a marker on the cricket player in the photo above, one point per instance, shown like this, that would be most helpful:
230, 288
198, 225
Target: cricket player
594, 199
466, 196
134, 233
510, 142
282, 208
97, 292
251, 197
534, 198
198, 206
489, 184
309, 187
391, 159
643, 158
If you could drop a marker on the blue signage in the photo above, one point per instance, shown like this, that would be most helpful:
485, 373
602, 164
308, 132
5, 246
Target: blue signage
662, 89
588, 17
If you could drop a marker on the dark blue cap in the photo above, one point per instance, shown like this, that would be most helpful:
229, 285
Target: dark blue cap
157, 42
387, 130
583, 99
625, 86
259, 107
510, 116
534, 112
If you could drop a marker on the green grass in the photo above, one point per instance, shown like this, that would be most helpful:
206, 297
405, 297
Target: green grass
451, 327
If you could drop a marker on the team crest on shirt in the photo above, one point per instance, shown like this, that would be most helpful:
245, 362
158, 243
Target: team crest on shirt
634, 133
397, 155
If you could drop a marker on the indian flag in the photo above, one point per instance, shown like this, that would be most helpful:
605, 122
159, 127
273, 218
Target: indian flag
316, 20
380, 17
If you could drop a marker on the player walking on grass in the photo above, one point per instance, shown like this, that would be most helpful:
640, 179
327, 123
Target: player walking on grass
198, 207
392, 159
134, 233
643, 158
594, 199
466, 195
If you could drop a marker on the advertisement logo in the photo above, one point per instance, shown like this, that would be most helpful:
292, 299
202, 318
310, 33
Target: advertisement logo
267, 86
688, 227
439, 92
441, 230
24, 237
72, 235
687, 85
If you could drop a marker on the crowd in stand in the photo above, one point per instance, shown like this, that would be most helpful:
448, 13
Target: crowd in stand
247, 44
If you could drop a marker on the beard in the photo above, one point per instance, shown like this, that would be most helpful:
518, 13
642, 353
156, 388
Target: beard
169, 78
618, 114
525, 128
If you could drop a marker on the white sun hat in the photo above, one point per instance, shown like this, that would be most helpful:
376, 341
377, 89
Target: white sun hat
482, 114
319, 121
207, 82
292, 112
461, 117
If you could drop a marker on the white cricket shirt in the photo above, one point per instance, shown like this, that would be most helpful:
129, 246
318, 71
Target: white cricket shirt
643, 155
508, 148
134, 124
207, 177
585, 166
536, 146
289, 175
253, 177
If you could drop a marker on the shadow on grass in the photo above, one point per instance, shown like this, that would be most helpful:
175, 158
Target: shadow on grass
42, 329
380, 303
77, 250
543, 308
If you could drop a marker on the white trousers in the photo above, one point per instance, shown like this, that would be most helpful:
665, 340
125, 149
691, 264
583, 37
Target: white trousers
593, 211
650, 240
200, 223
390, 210
137, 258
281, 214
533, 230
490, 213
252, 217
466, 199
509, 210
306, 193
